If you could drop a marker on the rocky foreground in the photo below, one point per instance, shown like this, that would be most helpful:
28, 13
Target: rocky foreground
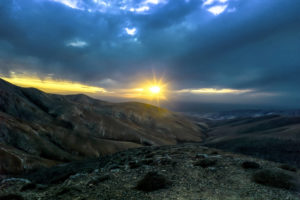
187, 171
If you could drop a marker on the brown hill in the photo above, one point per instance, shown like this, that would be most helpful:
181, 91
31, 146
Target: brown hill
273, 137
41, 129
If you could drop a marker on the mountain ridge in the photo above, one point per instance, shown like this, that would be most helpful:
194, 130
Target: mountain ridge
62, 128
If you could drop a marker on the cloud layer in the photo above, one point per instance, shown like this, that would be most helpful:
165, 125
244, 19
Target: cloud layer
238, 44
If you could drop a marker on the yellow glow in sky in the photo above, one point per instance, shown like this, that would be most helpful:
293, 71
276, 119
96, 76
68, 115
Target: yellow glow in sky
52, 86
150, 90
147, 92
213, 91
154, 90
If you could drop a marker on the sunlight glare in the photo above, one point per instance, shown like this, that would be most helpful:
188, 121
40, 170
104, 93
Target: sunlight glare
154, 89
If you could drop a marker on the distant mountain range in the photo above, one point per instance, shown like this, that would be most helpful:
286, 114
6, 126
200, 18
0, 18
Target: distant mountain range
39, 129
235, 114
271, 136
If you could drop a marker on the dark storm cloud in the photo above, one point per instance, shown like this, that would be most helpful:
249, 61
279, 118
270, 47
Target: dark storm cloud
253, 39
40, 29
253, 44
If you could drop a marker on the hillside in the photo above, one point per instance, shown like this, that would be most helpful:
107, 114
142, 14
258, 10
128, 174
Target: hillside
272, 137
186, 171
40, 129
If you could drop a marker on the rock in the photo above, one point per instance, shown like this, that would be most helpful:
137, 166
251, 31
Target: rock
250, 165
8, 180
200, 155
93, 179
78, 176
98, 179
152, 181
6, 183
216, 156
114, 166
166, 160
212, 169
115, 170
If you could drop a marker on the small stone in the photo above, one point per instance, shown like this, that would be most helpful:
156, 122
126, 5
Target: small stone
114, 166
78, 176
200, 155
15, 180
115, 170
99, 179
167, 160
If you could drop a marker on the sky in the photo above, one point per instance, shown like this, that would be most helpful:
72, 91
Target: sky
218, 51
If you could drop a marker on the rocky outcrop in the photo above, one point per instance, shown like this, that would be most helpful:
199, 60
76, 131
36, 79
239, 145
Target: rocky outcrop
185, 171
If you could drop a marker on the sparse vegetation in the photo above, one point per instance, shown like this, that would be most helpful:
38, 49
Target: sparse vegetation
94, 179
288, 168
29, 186
11, 197
134, 165
206, 163
250, 165
152, 181
275, 178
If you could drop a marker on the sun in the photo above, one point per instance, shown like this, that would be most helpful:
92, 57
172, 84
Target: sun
155, 89
152, 90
